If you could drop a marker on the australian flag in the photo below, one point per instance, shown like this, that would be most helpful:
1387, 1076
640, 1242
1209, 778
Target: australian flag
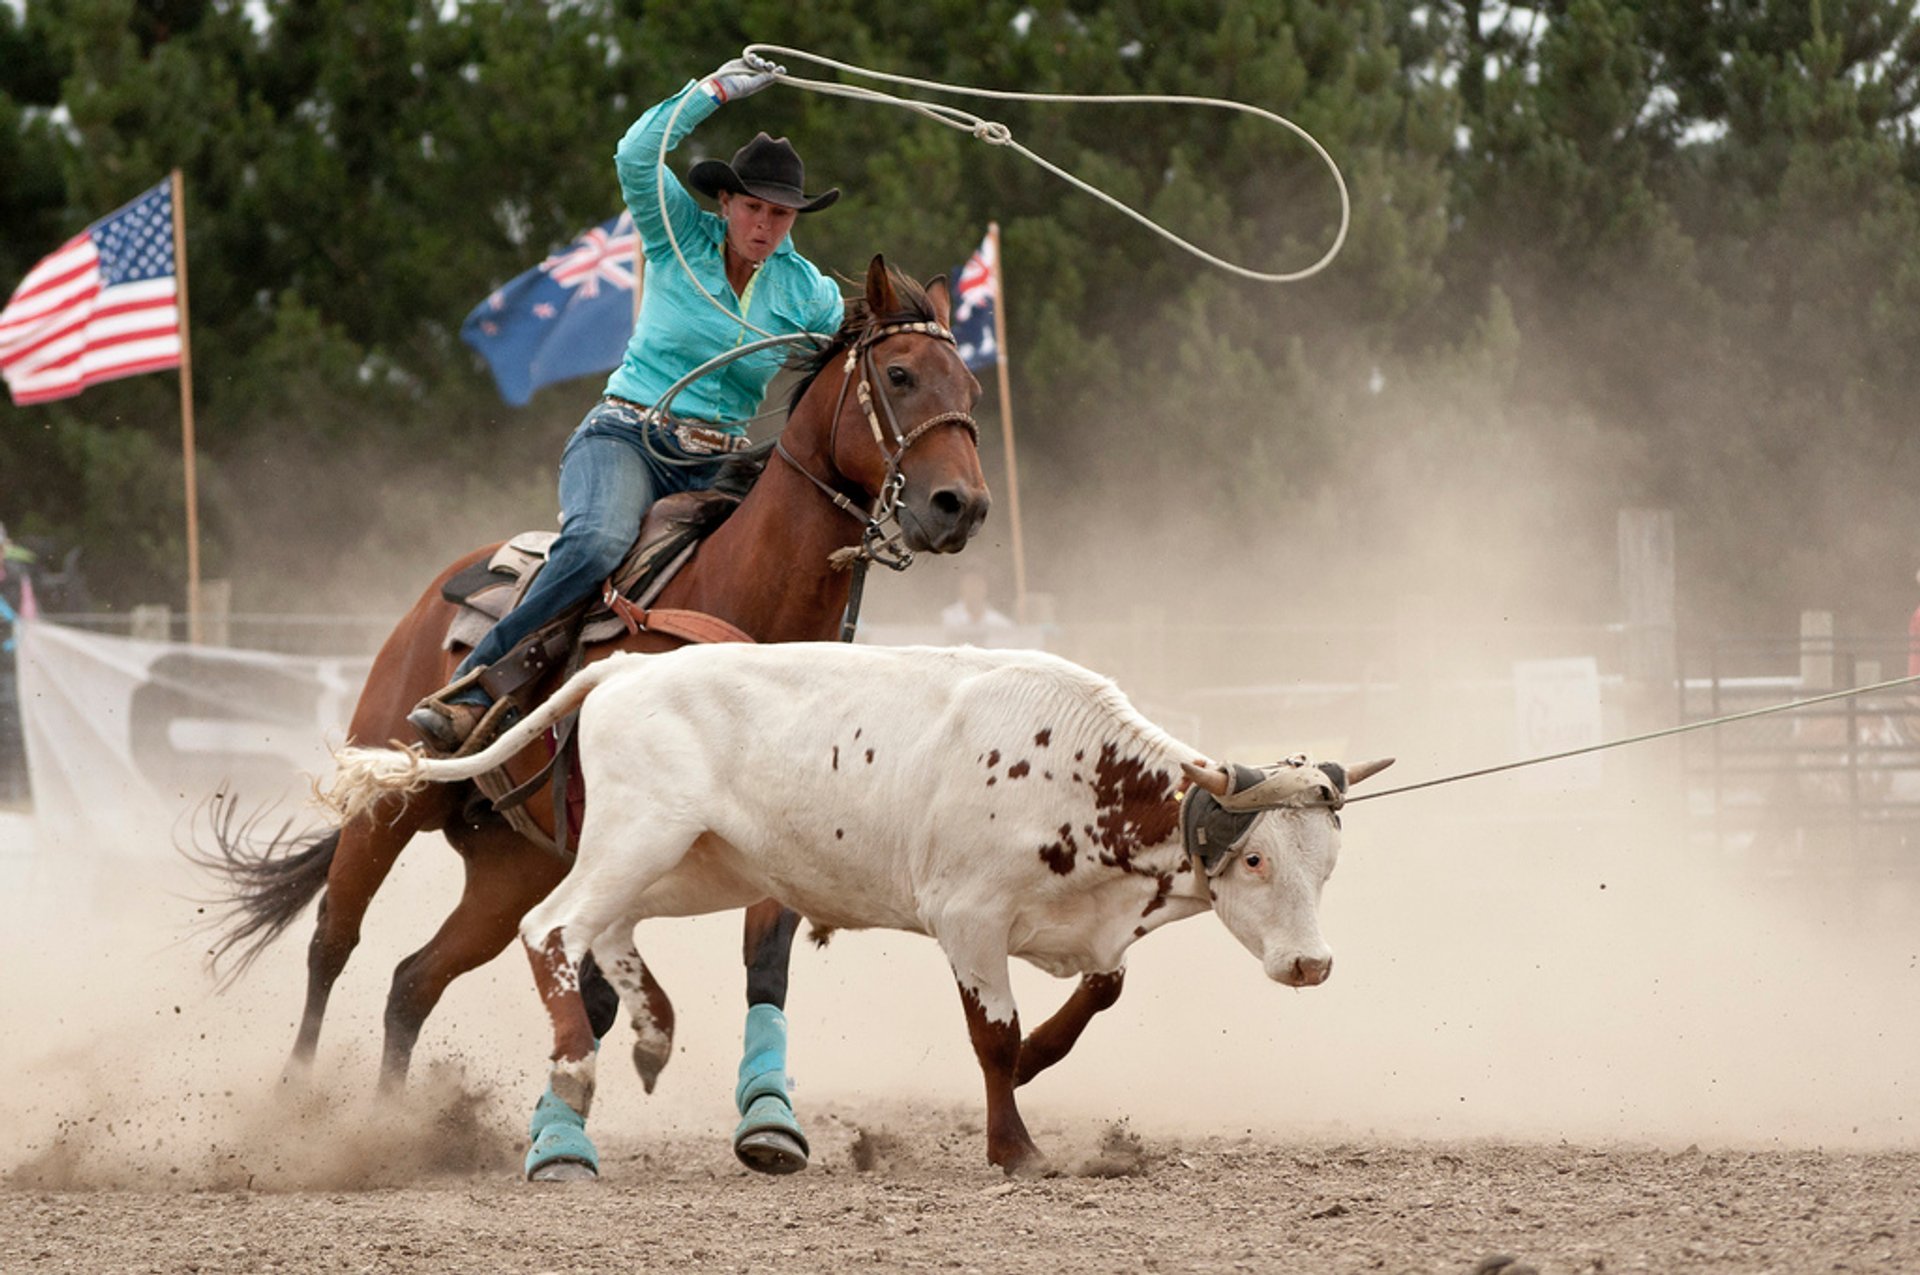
569, 316
973, 303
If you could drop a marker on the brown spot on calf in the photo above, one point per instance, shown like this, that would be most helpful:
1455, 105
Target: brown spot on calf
1164, 886
1134, 804
1060, 855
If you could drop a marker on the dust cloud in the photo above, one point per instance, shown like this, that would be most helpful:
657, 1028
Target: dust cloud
1516, 958
1498, 975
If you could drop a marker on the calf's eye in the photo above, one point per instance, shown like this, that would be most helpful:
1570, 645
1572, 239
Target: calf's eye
1253, 861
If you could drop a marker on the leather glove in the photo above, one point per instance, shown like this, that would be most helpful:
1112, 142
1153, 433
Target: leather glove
740, 77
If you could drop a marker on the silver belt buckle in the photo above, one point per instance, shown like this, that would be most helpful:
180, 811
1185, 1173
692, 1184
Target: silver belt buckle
702, 441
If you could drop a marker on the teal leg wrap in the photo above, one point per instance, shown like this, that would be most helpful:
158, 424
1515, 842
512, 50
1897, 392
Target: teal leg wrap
559, 1134
761, 1096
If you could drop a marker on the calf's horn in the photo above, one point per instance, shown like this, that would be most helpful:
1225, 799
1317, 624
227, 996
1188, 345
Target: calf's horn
1366, 770
1212, 778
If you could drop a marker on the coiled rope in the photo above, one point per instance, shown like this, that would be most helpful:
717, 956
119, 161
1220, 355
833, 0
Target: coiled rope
995, 133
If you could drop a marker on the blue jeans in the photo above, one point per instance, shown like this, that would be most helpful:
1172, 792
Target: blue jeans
608, 481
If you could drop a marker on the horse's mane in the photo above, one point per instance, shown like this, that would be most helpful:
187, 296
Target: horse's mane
914, 308
742, 470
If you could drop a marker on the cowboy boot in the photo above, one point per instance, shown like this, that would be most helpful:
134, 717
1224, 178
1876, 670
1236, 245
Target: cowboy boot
446, 718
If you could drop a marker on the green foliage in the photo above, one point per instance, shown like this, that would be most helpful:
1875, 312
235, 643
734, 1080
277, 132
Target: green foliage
1671, 247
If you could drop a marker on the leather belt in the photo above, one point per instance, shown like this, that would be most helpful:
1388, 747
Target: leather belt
696, 440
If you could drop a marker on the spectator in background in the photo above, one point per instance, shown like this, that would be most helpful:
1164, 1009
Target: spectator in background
971, 610
16, 588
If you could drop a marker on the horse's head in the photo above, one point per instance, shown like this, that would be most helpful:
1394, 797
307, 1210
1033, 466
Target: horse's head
894, 419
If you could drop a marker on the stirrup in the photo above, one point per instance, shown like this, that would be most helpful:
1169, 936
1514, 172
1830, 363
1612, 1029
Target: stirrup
495, 718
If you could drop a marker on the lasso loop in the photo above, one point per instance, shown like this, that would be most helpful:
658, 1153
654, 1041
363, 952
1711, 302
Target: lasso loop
994, 133
997, 134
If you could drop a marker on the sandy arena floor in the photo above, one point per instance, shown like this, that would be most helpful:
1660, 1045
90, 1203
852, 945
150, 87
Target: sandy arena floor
1575, 1052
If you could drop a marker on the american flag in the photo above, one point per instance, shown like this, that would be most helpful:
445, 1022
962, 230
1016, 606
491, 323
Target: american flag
103, 306
973, 299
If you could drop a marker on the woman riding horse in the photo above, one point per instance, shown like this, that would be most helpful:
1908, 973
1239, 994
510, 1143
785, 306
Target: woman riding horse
880, 431
624, 455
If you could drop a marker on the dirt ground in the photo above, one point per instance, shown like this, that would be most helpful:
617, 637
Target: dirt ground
927, 1201
1575, 1051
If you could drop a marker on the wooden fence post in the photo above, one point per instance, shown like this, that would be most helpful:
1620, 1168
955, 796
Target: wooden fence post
1647, 592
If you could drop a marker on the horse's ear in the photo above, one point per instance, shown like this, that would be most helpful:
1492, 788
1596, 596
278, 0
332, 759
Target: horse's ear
881, 299
940, 297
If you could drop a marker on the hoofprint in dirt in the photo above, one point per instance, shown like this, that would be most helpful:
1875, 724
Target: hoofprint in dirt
906, 1189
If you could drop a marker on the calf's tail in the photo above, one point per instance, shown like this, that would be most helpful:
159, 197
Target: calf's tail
364, 775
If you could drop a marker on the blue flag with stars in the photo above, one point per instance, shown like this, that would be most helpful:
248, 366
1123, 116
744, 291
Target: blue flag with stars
569, 316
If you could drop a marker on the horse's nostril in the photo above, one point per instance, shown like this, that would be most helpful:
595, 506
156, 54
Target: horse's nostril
947, 501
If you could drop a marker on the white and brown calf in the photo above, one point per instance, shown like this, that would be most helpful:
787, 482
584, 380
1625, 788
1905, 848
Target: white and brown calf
1008, 803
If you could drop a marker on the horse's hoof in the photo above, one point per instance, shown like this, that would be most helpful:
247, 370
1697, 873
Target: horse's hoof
771, 1151
561, 1150
768, 1138
564, 1171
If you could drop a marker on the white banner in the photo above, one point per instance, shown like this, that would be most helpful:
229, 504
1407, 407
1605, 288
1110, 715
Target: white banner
125, 738
1556, 709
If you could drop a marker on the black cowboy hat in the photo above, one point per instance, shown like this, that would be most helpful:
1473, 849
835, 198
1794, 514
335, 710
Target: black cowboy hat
767, 168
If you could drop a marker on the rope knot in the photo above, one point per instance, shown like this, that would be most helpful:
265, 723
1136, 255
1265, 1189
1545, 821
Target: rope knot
993, 132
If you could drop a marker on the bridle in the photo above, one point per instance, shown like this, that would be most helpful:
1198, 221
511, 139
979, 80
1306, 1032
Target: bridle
877, 543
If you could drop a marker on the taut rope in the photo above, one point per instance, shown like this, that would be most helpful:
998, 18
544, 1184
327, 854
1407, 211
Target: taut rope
1789, 706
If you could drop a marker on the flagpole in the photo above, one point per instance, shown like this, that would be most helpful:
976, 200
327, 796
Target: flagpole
186, 410
1006, 428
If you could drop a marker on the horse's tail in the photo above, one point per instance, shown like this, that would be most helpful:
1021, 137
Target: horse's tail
364, 775
271, 880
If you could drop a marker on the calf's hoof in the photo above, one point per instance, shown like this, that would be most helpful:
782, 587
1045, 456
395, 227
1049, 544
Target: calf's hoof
650, 1060
769, 1139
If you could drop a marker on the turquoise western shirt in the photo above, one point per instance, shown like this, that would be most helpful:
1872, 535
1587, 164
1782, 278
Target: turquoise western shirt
678, 328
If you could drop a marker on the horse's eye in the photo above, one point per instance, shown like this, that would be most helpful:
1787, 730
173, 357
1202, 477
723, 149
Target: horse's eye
1253, 861
899, 376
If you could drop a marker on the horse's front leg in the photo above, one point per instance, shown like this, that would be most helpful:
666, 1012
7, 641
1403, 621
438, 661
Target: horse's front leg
1052, 1039
768, 1138
561, 1150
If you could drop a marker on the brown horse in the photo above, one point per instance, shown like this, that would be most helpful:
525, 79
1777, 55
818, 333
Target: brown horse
764, 570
